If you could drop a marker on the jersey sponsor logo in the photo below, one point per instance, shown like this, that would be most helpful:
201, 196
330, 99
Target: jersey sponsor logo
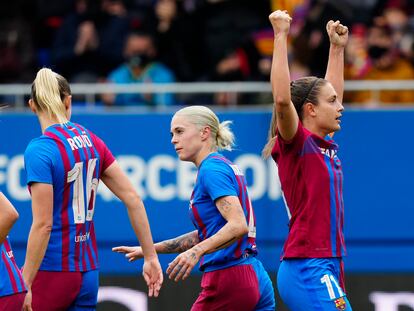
331, 153
82, 237
80, 141
340, 303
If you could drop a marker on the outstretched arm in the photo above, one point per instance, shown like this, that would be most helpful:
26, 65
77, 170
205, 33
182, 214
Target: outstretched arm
338, 37
8, 216
176, 245
116, 180
286, 117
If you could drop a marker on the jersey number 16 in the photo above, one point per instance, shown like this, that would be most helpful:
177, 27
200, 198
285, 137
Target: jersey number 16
75, 175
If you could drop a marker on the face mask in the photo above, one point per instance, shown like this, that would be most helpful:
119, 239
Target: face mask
376, 52
139, 60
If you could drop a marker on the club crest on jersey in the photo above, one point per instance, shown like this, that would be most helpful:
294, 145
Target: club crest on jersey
340, 303
9, 254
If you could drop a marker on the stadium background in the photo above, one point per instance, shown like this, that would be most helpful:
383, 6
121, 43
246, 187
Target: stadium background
376, 144
376, 153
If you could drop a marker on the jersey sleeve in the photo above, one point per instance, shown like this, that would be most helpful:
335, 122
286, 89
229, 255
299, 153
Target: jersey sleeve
38, 162
219, 181
294, 144
106, 155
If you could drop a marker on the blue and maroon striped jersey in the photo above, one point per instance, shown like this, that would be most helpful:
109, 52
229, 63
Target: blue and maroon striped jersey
11, 280
218, 177
311, 178
72, 159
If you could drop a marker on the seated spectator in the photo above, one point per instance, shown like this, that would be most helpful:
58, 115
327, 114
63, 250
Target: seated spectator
383, 62
140, 67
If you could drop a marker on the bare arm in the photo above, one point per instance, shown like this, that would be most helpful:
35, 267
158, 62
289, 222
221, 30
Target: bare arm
286, 117
176, 245
8, 216
236, 226
39, 235
116, 180
42, 210
338, 37
234, 229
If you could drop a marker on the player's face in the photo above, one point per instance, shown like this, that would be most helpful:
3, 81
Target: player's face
186, 138
328, 111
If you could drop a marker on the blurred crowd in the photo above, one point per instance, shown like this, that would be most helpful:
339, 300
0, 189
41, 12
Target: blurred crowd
163, 41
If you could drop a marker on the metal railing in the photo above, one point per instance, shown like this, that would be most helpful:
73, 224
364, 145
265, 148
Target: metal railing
91, 91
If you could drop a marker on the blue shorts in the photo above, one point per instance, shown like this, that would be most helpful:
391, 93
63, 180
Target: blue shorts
312, 284
267, 293
87, 298
243, 287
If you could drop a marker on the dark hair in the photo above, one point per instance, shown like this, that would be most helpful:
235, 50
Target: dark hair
302, 91
305, 90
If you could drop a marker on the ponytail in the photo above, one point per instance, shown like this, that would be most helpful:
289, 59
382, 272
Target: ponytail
225, 137
271, 136
48, 92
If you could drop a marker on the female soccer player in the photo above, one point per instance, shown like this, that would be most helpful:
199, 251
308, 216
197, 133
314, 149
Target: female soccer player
306, 111
63, 168
220, 209
12, 288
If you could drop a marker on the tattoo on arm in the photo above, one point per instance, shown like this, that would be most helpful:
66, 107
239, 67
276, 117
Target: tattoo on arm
181, 244
224, 205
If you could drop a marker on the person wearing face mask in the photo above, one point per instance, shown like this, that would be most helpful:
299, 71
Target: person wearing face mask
383, 62
140, 66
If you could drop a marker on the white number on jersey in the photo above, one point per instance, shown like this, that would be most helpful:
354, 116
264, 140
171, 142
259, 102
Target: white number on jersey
79, 207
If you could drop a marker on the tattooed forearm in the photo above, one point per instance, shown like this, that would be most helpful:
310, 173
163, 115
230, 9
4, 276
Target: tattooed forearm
180, 244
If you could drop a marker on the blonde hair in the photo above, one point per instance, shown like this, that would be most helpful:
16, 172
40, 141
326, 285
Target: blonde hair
222, 136
48, 92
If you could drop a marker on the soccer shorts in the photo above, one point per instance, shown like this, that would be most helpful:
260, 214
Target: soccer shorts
314, 284
12, 302
244, 287
53, 290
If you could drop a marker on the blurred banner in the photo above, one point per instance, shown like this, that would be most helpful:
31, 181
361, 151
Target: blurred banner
367, 292
376, 149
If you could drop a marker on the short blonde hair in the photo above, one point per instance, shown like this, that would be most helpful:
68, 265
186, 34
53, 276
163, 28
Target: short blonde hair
48, 91
223, 137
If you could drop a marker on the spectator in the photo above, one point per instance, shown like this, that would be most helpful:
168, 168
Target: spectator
180, 44
17, 54
383, 63
140, 67
89, 43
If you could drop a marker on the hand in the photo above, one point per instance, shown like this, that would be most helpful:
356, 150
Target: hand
27, 304
280, 21
87, 38
153, 276
338, 33
132, 253
182, 265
